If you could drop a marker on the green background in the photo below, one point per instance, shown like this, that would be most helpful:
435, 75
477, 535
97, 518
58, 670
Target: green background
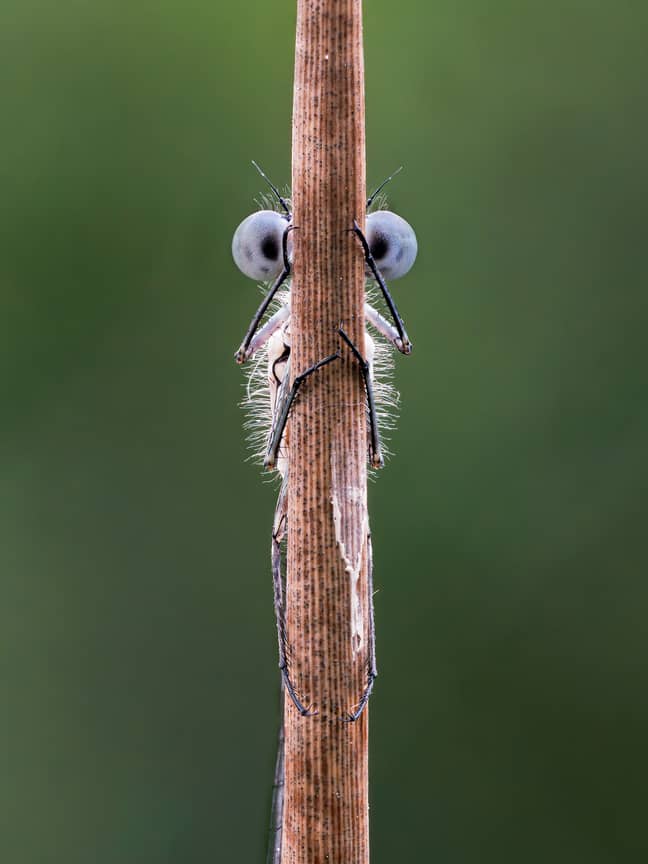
138, 681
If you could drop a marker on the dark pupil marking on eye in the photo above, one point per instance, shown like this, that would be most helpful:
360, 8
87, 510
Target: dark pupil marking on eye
379, 247
270, 247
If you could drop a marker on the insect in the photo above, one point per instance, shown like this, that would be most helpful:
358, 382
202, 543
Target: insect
262, 250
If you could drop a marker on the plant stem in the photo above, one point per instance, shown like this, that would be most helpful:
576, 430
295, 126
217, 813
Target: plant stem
326, 768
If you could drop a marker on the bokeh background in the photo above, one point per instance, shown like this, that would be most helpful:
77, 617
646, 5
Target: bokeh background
138, 682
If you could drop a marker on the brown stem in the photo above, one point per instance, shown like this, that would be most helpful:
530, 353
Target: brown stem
326, 770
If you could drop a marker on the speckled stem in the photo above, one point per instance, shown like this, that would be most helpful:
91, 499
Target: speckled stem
326, 815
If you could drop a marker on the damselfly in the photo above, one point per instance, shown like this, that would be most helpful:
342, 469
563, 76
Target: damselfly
262, 250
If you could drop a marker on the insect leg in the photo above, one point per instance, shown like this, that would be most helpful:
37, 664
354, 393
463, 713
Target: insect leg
281, 418
372, 669
269, 328
374, 436
243, 352
404, 345
279, 529
381, 324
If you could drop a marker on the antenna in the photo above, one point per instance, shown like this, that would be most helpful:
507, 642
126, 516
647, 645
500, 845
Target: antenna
280, 198
370, 199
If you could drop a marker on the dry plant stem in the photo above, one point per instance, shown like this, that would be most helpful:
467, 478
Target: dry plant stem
326, 799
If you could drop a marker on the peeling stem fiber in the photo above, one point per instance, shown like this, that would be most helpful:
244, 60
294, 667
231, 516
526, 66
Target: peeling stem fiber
326, 818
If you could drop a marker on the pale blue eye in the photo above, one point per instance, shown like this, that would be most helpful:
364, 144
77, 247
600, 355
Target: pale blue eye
257, 245
392, 242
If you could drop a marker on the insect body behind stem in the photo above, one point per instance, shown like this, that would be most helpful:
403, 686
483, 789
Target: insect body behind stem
262, 249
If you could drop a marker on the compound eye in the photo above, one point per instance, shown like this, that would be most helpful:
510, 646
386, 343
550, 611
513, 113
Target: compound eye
257, 245
392, 242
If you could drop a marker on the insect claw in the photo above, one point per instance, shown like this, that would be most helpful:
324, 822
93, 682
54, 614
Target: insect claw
306, 712
351, 717
405, 347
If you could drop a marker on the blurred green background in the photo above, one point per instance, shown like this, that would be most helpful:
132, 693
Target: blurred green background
138, 687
